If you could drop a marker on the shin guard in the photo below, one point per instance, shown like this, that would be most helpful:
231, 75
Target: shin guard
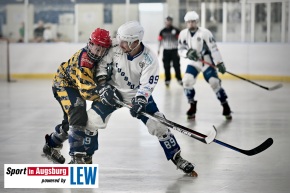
76, 138
58, 137
169, 145
91, 142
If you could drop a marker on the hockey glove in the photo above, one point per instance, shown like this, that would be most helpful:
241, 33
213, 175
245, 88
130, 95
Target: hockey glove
107, 94
192, 55
138, 105
221, 67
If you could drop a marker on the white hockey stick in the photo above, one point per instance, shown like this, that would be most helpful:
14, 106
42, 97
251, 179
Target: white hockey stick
203, 138
184, 130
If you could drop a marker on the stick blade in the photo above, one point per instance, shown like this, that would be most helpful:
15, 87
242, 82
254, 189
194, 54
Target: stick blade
211, 136
265, 145
276, 87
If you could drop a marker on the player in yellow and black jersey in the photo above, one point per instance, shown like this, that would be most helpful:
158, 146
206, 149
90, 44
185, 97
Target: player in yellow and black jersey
73, 84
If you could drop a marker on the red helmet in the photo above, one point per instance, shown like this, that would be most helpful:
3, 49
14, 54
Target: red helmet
101, 37
99, 43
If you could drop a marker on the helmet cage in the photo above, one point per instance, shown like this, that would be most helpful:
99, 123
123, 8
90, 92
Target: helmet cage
96, 52
98, 44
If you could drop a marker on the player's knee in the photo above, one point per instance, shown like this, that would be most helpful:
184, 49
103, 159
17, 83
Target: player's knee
95, 121
156, 128
215, 84
78, 116
188, 81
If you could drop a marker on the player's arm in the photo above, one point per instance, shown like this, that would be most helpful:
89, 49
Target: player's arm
149, 78
182, 44
177, 33
217, 58
148, 81
160, 39
106, 92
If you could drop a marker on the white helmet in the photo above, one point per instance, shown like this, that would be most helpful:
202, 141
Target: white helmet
130, 32
191, 16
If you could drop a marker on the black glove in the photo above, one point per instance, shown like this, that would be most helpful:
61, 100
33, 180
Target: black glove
192, 55
221, 67
107, 94
139, 105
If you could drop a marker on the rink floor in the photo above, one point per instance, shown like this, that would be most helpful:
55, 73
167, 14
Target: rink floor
131, 160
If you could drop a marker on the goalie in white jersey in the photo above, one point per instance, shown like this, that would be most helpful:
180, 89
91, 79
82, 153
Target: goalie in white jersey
195, 44
132, 75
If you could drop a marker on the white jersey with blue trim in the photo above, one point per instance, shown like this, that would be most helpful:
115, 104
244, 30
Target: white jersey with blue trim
202, 41
132, 76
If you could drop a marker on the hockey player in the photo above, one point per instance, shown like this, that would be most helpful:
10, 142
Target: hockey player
197, 43
73, 84
134, 74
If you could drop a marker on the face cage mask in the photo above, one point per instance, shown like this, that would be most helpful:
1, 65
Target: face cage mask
95, 57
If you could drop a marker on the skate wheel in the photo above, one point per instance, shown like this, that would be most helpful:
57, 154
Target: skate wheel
193, 174
190, 117
228, 117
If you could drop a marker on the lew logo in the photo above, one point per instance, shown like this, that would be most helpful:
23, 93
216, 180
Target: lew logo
51, 176
83, 175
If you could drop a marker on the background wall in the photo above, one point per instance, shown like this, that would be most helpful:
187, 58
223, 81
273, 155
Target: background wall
240, 58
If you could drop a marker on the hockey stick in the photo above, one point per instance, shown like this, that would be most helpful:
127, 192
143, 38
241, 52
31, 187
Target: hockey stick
263, 146
203, 138
184, 130
264, 87
266, 144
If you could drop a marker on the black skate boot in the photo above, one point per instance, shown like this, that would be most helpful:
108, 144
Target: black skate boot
88, 159
78, 158
184, 165
227, 111
192, 110
53, 153
167, 84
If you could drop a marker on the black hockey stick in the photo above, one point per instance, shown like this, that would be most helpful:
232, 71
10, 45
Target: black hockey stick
264, 87
261, 86
203, 138
184, 130
266, 144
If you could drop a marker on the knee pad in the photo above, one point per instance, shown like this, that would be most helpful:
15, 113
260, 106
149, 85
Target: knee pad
215, 84
188, 81
169, 145
78, 116
155, 127
95, 121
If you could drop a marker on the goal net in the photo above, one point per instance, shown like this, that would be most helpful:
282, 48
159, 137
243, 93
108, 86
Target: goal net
4, 60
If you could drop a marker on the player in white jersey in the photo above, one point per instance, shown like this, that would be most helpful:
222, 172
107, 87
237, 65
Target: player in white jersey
197, 43
133, 74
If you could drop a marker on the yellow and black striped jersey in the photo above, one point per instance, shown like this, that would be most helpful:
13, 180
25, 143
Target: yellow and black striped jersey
78, 72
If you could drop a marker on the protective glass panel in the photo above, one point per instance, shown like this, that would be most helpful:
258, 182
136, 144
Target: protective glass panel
214, 17
260, 22
234, 22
